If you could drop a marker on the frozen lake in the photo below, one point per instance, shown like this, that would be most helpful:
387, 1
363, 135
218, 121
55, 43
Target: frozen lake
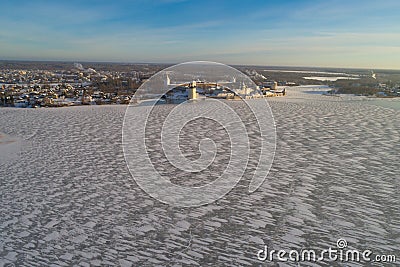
330, 78
67, 197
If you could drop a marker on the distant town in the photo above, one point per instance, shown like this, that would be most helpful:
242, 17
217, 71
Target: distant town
58, 84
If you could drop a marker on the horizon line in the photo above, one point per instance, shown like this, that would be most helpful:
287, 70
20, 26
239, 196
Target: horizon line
175, 63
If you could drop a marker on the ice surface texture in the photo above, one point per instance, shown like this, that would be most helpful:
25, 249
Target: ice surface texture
68, 198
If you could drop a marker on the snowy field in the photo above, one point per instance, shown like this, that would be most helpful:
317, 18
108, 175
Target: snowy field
67, 197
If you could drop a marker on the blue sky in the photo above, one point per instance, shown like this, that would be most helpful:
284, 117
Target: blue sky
264, 32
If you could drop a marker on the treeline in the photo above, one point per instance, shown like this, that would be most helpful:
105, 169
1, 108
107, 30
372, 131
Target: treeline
363, 86
358, 90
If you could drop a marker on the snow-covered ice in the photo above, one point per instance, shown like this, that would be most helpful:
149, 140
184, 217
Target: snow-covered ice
67, 197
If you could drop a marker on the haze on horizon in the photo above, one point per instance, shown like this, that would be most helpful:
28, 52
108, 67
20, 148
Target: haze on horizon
360, 34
